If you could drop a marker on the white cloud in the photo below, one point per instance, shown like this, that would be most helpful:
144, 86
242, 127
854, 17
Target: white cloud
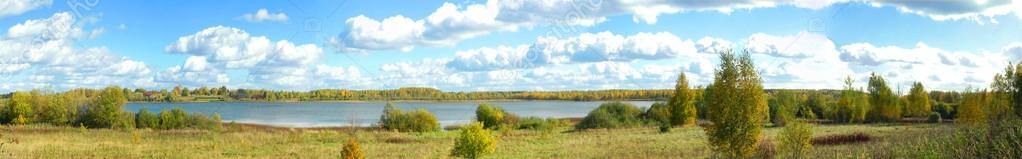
43, 52
957, 10
587, 47
932, 66
393, 32
276, 65
17, 7
451, 23
263, 15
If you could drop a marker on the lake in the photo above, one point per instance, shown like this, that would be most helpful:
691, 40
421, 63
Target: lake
327, 114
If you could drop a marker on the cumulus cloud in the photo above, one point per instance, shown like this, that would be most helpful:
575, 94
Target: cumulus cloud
280, 64
803, 60
16, 7
945, 69
586, 47
981, 11
263, 15
43, 50
451, 23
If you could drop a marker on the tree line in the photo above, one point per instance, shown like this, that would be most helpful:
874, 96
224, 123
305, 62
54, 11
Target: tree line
94, 109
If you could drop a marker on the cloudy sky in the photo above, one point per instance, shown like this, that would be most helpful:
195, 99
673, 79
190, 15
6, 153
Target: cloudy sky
500, 45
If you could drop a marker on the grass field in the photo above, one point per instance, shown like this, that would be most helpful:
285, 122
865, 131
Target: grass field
40, 141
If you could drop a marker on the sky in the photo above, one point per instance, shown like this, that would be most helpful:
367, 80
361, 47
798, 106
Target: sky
495, 45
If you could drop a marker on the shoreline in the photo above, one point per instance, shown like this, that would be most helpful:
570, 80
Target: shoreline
373, 101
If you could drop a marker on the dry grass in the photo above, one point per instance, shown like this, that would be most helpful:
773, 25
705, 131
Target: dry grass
256, 142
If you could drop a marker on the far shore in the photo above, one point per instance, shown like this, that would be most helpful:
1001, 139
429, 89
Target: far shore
370, 101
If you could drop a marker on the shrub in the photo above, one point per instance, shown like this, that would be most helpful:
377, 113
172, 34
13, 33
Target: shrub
422, 121
536, 123
417, 121
173, 119
659, 112
125, 121
494, 117
736, 106
146, 119
473, 142
934, 118
351, 150
106, 109
612, 115
796, 140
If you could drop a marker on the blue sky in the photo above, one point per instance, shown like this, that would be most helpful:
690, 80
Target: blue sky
499, 45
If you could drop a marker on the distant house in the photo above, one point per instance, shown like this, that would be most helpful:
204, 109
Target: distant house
150, 93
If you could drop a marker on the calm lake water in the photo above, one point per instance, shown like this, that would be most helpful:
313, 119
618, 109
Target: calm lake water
324, 114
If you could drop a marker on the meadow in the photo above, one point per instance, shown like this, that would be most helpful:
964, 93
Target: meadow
247, 141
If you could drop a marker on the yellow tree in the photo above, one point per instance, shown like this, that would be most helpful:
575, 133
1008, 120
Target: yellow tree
970, 111
682, 110
736, 106
918, 101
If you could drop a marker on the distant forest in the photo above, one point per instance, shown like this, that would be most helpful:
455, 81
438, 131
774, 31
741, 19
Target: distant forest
218, 94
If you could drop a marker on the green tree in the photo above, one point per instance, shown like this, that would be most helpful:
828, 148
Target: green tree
473, 142
821, 105
853, 105
736, 106
105, 111
683, 110
20, 108
351, 150
883, 100
1007, 93
783, 107
918, 101
58, 110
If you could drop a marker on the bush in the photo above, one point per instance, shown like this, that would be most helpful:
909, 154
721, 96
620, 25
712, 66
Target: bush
934, 118
173, 118
494, 117
473, 142
351, 150
536, 123
125, 121
106, 110
659, 112
146, 119
420, 120
612, 115
796, 140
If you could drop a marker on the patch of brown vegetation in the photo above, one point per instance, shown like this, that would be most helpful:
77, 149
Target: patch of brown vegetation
841, 139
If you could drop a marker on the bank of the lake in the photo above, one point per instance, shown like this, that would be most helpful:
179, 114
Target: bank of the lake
366, 113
